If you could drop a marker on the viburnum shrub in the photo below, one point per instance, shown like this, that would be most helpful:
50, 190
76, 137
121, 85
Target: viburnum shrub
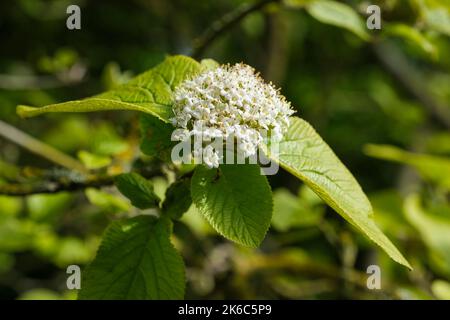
182, 99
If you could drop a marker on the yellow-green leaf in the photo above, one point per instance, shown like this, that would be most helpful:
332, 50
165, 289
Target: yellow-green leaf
433, 168
338, 14
150, 92
304, 154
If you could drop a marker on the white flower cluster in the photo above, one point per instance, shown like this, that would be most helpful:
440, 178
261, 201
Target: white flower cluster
229, 101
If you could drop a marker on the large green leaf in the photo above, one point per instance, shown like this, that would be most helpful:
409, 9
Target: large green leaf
236, 200
135, 261
338, 14
303, 153
150, 92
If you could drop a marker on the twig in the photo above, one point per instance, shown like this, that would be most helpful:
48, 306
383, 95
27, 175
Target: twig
397, 65
225, 23
38, 147
66, 181
17, 189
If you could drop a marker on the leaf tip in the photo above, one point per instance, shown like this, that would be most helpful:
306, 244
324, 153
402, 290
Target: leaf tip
402, 260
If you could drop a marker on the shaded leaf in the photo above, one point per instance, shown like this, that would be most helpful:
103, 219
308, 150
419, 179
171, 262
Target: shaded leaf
155, 137
135, 261
138, 189
178, 198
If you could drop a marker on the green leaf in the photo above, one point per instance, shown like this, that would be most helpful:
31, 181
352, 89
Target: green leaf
8, 170
135, 261
208, 64
436, 15
40, 294
412, 35
235, 199
178, 198
107, 201
303, 153
93, 161
338, 14
138, 189
197, 223
441, 289
296, 4
104, 140
433, 168
434, 230
10, 206
388, 208
48, 207
156, 137
150, 92
290, 211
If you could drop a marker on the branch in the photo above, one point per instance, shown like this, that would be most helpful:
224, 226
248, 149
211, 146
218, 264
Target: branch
38, 147
225, 23
63, 180
54, 186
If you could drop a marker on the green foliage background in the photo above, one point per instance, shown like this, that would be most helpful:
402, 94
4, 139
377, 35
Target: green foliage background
372, 95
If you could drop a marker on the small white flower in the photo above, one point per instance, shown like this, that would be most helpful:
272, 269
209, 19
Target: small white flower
230, 101
181, 134
210, 157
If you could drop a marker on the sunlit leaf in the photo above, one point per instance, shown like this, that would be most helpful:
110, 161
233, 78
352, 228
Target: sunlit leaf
236, 200
93, 161
441, 289
150, 92
107, 201
303, 153
338, 14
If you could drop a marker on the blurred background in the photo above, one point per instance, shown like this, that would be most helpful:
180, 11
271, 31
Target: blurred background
380, 98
